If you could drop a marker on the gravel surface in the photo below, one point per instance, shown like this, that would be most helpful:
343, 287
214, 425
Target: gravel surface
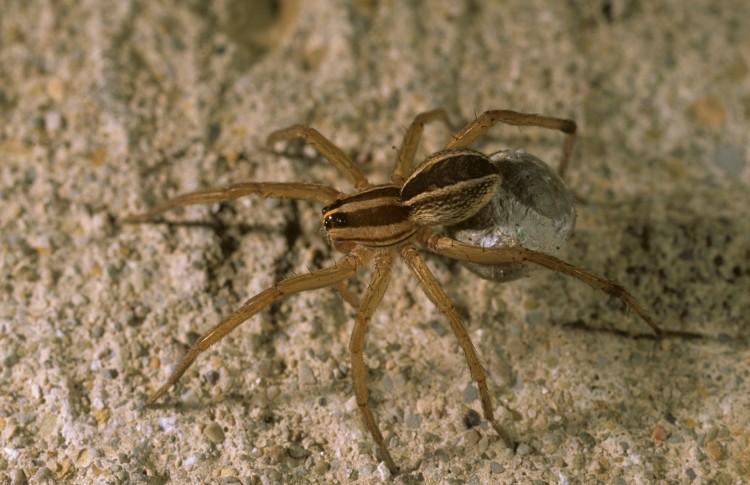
110, 107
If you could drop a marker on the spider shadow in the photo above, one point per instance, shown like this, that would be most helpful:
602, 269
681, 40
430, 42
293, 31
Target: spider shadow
585, 327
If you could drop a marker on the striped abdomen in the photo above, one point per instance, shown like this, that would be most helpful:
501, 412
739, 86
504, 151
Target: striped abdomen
449, 187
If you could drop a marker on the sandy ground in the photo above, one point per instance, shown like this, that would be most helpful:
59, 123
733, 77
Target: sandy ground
109, 107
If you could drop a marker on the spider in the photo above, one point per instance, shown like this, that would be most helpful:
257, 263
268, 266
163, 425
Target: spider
378, 223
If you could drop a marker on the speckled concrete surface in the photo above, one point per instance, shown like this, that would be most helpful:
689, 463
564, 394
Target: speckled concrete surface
108, 108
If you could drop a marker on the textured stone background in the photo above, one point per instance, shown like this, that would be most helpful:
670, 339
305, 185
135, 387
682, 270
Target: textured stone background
109, 107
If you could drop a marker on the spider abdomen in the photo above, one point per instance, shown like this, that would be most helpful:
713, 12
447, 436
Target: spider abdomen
449, 186
532, 208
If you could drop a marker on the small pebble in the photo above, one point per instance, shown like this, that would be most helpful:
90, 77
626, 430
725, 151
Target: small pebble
472, 418
470, 393
714, 450
365, 470
272, 392
413, 420
101, 415
383, 471
587, 439
297, 452
43, 474
214, 433
523, 449
470, 438
321, 468
212, 377
658, 433
305, 375
166, 423
423, 406
484, 444
273, 475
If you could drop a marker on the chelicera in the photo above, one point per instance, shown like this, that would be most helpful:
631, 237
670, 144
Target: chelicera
376, 224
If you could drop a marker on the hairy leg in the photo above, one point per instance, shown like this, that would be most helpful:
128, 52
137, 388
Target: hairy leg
267, 190
411, 141
325, 147
477, 128
296, 284
370, 301
435, 293
451, 248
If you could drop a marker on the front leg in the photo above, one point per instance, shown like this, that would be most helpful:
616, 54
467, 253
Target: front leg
295, 284
267, 190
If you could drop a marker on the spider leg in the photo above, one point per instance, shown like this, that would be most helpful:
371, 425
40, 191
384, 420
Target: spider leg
370, 301
325, 147
451, 248
347, 294
296, 284
474, 130
411, 141
435, 293
267, 190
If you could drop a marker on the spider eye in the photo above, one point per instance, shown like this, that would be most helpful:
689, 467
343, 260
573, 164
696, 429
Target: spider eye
336, 204
335, 220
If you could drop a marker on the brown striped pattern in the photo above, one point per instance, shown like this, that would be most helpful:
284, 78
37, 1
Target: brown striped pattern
373, 218
449, 187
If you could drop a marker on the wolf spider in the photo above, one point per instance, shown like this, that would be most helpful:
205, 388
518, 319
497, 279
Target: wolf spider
376, 223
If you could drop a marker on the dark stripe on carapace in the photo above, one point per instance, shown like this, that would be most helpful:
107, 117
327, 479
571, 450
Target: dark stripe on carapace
384, 214
374, 207
369, 194
374, 193
379, 241
375, 217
